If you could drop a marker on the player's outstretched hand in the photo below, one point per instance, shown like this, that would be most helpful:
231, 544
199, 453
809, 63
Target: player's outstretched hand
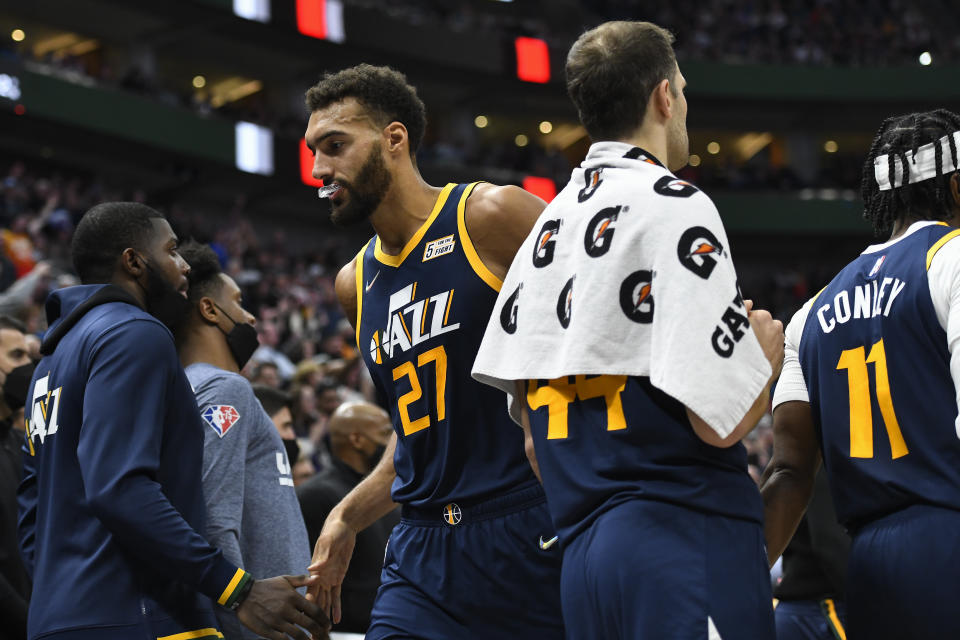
274, 609
331, 557
770, 334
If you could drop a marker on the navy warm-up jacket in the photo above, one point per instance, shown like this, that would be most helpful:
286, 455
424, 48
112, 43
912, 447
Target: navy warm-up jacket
111, 500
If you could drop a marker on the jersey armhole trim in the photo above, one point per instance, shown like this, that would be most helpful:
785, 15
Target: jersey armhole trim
469, 250
359, 270
932, 251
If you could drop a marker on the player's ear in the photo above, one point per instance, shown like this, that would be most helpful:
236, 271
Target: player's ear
396, 138
207, 310
955, 189
132, 263
661, 100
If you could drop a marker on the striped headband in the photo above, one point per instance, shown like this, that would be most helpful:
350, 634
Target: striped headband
923, 164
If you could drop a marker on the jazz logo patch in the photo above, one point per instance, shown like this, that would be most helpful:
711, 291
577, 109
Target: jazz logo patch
438, 247
220, 417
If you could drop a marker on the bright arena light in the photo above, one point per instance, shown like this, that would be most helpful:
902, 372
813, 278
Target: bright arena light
830, 146
481, 121
546, 127
253, 148
926, 58
694, 160
713, 148
18, 35
199, 82
521, 140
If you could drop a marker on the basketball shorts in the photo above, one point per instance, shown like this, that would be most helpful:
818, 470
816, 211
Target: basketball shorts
811, 620
647, 569
903, 579
472, 572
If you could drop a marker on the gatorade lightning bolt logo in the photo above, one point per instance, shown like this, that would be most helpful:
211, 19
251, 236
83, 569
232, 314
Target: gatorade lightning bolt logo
600, 231
636, 300
565, 303
674, 187
508, 315
696, 251
546, 243
592, 179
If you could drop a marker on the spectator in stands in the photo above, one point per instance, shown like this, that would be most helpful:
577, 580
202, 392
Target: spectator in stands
277, 405
359, 433
265, 373
252, 511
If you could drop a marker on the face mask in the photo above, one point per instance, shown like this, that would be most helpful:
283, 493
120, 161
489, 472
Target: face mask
242, 339
293, 450
16, 385
163, 301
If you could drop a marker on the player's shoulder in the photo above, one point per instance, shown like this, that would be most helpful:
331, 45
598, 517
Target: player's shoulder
944, 250
794, 328
129, 328
214, 385
345, 284
492, 205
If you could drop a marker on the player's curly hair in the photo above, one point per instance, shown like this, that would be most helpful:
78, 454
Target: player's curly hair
203, 279
383, 91
925, 200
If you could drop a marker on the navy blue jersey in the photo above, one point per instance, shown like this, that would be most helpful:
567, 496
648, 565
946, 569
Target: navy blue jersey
877, 367
420, 318
604, 440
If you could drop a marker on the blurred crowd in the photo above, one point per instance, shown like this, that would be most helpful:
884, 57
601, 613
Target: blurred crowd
793, 32
790, 32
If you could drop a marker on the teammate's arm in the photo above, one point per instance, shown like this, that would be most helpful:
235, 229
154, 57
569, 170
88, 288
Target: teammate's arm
787, 482
499, 219
365, 504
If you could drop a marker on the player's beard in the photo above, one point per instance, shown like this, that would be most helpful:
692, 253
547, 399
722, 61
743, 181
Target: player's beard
163, 301
365, 192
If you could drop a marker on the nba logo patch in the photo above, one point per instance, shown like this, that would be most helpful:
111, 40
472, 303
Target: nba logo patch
220, 417
876, 266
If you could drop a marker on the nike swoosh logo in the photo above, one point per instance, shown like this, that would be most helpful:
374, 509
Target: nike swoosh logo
370, 284
548, 543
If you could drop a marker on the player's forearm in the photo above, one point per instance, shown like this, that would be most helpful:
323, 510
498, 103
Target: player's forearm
370, 500
786, 492
706, 433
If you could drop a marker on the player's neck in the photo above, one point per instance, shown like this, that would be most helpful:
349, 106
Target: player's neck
651, 141
404, 209
206, 344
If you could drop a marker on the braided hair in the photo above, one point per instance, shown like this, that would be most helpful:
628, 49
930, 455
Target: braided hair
925, 200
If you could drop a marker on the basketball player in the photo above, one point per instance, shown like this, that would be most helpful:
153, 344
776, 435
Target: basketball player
640, 367
870, 383
464, 562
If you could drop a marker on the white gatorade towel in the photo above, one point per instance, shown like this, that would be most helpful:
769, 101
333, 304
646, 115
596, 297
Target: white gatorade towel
628, 272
